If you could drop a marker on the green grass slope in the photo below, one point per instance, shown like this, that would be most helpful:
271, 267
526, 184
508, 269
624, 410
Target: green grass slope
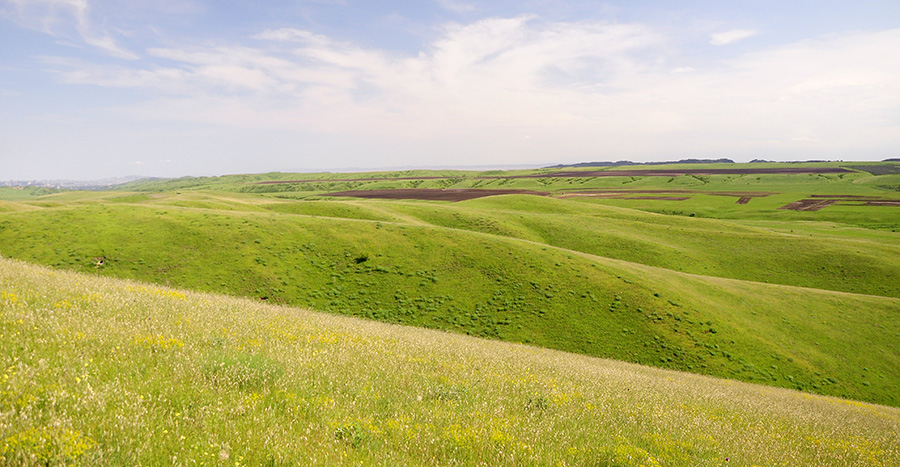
486, 284
860, 264
24, 193
98, 371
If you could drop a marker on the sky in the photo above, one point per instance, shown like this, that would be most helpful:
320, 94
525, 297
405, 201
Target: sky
91, 89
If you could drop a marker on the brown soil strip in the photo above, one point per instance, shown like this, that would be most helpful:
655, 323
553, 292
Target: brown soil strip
842, 196
817, 202
739, 194
592, 195
809, 204
433, 194
603, 190
663, 198
883, 202
743, 200
373, 179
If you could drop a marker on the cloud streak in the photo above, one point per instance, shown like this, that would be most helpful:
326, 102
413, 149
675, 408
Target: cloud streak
456, 7
730, 37
582, 88
56, 16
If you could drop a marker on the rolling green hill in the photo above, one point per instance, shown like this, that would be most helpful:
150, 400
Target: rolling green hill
97, 371
744, 291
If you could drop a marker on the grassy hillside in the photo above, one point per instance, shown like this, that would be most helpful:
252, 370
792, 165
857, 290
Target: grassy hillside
745, 291
100, 371
789, 255
483, 284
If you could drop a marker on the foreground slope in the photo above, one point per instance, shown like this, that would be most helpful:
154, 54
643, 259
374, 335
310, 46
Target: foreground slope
102, 371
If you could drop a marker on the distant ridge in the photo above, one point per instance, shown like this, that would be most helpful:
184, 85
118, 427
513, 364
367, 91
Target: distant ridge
624, 163
73, 184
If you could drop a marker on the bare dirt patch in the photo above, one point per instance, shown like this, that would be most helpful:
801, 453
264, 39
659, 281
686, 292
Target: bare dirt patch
740, 194
744, 197
327, 180
863, 197
817, 202
809, 204
883, 202
428, 194
662, 198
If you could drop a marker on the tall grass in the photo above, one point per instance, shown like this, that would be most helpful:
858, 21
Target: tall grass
102, 371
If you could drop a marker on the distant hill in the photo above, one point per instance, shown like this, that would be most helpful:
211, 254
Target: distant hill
102, 184
625, 163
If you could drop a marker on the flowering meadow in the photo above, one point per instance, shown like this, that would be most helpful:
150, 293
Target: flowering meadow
99, 371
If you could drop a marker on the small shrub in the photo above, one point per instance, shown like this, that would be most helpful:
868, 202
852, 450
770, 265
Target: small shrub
537, 403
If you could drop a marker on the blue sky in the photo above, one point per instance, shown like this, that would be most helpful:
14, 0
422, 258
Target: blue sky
97, 88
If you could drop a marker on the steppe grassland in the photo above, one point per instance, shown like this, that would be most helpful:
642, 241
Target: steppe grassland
512, 268
103, 371
857, 260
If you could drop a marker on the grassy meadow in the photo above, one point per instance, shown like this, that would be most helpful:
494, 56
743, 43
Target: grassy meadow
100, 371
708, 275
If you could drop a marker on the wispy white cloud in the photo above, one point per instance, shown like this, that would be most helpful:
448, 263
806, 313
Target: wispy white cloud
524, 86
57, 16
456, 6
730, 37
290, 35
